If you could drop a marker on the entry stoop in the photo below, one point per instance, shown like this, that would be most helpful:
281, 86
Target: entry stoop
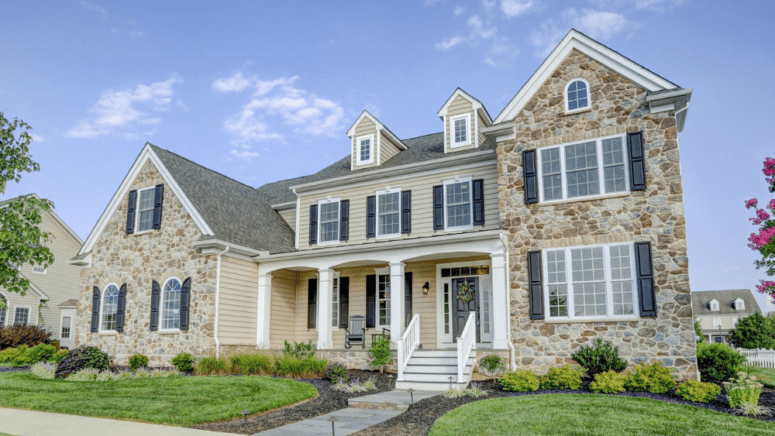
392, 400
430, 370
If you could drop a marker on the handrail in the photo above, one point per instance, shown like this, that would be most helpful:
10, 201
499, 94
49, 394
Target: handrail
409, 342
465, 343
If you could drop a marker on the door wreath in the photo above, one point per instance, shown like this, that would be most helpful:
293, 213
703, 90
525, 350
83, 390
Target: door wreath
465, 293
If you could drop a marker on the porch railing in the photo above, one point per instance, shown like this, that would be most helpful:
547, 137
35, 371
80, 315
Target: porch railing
407, 344
465, 343
759, 357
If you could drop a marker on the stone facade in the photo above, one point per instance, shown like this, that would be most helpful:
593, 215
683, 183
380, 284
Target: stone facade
137, 260
352, 359
655, 215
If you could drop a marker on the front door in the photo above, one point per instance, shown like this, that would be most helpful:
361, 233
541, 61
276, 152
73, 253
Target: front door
461, 310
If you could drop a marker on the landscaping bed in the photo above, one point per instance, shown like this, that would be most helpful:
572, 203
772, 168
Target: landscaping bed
328, 400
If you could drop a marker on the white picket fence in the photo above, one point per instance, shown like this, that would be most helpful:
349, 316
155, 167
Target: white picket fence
760, 357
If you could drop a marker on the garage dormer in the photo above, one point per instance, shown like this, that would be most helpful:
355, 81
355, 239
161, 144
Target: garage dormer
371, 142
464, 118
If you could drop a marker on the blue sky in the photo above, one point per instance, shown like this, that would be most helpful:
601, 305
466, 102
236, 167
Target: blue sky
263, 91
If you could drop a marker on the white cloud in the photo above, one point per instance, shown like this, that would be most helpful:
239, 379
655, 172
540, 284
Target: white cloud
489, 4
244, 154
458, 10
653, 5
451, 42
92, 7
233, 83
601, 25
481, 32
123, 111
479, 29
37, 138
515, 8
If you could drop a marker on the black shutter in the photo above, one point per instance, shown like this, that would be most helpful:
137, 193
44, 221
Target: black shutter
478, 202
312, 298
646, 296
155, 294
406, 211
535, 287
130, 212
530, 176
95, 310
407, 298
157, 202
637, 161
371, 301
371, 216
120, 309
344, 301
344, 221
438, 207
185, 299
313, 224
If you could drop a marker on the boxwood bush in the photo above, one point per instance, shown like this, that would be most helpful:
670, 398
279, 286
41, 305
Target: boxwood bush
82, 358
609, 382
138, 361
718, 362
697, 391
184, 362
564, 377
650, 377
599, 357
520, 381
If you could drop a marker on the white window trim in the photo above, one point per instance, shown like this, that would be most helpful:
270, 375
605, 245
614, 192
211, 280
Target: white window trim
137, 213
61, 326
608, 288
161, 305
339, 220
452, 143
589, 96
338, 300
741, 302
29, 315
382, 272
452, 181
388, 190
372, 149
714, 305
601, 176
102, 307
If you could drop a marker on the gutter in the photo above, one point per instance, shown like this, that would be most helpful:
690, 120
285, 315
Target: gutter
217, 302
210, 245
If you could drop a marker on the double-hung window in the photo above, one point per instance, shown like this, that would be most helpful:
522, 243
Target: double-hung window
145, 205
383, 300
389, 212
365, 149
65, 334
457, 203
590, 282
170, 315
460, 130
329, 221
586, 169
109, 308
21, 316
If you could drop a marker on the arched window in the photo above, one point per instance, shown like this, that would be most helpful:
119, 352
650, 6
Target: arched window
576, 95
170, 315
3, 309
109, 307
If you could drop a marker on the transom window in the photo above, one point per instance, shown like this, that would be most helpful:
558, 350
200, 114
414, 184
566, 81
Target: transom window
3, 309
65, 327
365, 149
585, 169
457, 200
329, 221
383, 300
577, 95
389, 212
109, 308
21, 316
590, 282
145, 204
460, 126
170, 317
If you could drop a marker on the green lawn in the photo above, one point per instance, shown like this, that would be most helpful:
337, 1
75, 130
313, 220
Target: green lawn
765, 375
179, 401
591, 415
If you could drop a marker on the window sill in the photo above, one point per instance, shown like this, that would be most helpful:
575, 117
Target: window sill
328, 243
585, 320
169, 332
110, 333
389, 237
459, 144
361, 163
590, 198
578, 111
143, 232
458, 229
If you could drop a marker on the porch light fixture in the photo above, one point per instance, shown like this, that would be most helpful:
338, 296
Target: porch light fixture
426, 287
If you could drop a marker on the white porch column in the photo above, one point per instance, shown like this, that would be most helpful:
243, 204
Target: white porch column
264, 310
396, 301
325, 290
500, 301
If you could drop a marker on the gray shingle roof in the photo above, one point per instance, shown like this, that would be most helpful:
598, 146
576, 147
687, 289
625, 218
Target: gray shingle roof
69, 303
235, 212
701, 302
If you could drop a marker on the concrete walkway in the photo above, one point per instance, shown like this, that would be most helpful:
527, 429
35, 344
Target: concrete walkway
30, 423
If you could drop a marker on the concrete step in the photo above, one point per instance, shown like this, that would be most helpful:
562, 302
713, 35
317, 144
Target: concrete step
392, 400
436, 369
420, 360
435, 353
429, 386
441, 378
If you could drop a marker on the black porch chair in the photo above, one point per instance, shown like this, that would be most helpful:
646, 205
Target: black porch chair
356, 332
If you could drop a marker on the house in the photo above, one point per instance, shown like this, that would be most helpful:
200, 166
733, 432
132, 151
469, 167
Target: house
526, 235
719, 311
51, 300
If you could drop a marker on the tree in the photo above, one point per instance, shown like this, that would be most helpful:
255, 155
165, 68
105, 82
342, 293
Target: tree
753, 331
698, 331
21, 240
764, 240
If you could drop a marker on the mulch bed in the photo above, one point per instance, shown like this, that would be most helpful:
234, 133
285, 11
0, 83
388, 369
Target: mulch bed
421, 415
14, 369
327, 401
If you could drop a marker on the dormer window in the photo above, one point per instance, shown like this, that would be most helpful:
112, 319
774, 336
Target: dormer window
714, 305
739, 304
461, 130
577, 95
365, 149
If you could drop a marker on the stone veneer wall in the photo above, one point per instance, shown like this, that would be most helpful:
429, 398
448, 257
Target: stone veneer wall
656, 215
138, 259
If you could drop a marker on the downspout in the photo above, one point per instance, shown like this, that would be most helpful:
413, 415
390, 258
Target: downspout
217, 301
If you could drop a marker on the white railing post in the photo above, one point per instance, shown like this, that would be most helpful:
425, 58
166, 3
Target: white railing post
409, 342
465, 343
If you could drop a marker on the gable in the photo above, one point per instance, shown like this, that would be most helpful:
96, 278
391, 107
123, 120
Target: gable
382, 144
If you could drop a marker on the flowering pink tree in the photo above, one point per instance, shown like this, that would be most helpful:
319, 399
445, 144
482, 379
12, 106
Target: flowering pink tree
764, 240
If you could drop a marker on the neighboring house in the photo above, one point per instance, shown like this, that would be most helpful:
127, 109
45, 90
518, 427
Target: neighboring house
528, 235
51, 300
719, 311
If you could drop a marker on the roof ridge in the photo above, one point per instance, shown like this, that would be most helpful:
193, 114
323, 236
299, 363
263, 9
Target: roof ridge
202, 166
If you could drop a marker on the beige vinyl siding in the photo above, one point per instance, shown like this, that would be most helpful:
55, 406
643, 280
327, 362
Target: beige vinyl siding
283, 312
480, 122
365, 127
387, 149
289, 215
30, 300
238, 303
459, 106
422, 204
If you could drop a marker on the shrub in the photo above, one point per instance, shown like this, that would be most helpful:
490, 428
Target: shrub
698, 331
599, 357
251, 364
697, 391
82, 358
753, 331
211, 366
743, 392
8, 355
44, 370
380, 352
651, 377
41, 353
59, 355
520, 381
300, 350
290, 366
84, 375
718, 362
138, 361
336, 372
184, 362
14, 336
23, 357
609, 382
55, 343
562, 378
492, 364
